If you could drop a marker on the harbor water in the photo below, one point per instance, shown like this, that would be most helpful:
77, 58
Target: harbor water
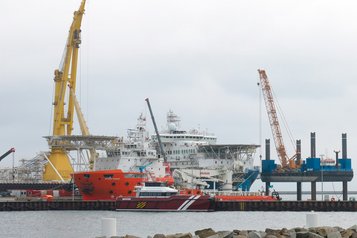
88, 223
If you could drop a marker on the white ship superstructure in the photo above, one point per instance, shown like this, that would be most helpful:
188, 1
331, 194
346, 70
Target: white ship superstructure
134, 154
195, 151
182, 146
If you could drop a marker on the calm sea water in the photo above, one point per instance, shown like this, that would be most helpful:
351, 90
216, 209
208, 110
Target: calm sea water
88, 223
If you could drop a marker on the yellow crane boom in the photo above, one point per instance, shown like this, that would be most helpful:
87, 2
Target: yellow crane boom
66, 77
59, 166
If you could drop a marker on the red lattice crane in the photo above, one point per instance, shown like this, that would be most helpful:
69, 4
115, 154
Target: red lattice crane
285, 161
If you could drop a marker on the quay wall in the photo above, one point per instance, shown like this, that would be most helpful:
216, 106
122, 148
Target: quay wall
218, 205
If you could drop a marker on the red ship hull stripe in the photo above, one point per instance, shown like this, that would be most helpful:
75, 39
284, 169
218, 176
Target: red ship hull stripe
183, 204
189, 203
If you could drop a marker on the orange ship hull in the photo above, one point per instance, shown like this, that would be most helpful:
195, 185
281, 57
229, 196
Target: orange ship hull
245, 198
107, 184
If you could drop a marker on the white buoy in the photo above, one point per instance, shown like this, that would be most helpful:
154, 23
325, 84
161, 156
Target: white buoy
311, 219
109, 227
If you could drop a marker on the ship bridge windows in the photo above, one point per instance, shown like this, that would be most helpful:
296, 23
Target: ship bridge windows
107, 176
113, 153
156, 194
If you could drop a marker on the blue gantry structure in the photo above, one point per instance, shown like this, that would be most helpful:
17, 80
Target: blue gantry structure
311, 170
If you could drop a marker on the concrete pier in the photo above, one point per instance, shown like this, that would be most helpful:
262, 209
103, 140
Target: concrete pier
350, 206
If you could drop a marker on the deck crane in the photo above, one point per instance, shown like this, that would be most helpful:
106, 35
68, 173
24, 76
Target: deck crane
12, 150
156, 131
286, 162
59, 166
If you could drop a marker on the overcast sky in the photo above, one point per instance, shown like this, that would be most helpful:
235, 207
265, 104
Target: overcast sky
196, 57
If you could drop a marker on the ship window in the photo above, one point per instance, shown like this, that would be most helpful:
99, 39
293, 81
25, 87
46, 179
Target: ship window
154, 194
134, 175
108, 175
86, 175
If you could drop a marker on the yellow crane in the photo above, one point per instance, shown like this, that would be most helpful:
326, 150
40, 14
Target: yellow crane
59, 166
285, 161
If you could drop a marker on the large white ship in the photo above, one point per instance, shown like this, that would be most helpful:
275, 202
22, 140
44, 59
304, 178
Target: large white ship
196, 156
181, 147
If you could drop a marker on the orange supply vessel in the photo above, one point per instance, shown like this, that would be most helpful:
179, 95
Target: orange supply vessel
107, 184
246, 197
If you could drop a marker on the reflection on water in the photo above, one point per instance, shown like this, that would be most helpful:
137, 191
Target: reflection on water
88, 223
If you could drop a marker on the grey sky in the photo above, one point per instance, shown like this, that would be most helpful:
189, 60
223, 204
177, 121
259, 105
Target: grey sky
197, 57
